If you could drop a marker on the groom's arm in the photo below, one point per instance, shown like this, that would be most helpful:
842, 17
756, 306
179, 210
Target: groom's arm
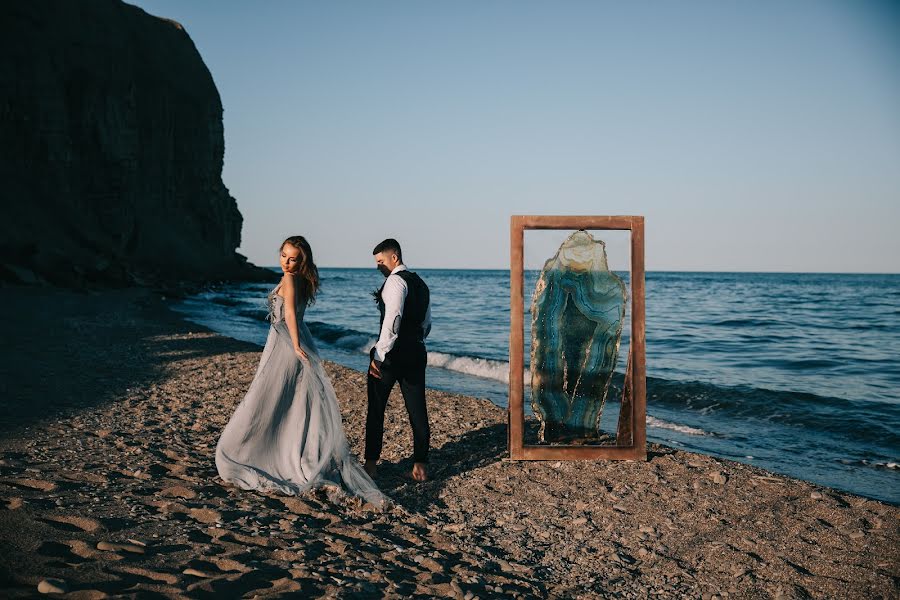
426, 324
394, 295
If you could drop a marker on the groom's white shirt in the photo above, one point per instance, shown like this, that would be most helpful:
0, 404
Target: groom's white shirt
394, 295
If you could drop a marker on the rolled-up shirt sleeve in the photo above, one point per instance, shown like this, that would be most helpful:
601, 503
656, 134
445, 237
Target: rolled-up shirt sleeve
394, 295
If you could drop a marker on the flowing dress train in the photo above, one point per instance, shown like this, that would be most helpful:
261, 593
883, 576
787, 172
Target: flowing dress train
286, 434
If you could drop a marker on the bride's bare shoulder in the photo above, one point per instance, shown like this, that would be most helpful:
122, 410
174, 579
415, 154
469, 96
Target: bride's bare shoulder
288, 285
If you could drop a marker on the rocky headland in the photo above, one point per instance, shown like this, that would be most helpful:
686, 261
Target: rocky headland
111, 151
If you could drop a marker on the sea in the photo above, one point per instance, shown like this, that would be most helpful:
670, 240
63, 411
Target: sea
797, 373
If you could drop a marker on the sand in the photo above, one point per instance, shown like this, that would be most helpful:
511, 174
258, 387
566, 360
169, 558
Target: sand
112, 406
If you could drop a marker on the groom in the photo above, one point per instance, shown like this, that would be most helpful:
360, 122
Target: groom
399, 355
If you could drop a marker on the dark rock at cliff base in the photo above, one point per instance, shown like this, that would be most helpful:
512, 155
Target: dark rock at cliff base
111, 150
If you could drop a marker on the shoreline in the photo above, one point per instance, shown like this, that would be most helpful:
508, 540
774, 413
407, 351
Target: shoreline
781, 418
110, 421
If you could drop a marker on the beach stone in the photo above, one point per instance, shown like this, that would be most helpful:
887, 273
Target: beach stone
228, 565
83, 523
53, 586
431, 564
117, 547
81, 549
205, 515
148, 574
816, 495
35, 484
718, 477
87, 595
179, 491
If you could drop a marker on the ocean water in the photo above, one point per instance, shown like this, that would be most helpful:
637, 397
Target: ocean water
795, 373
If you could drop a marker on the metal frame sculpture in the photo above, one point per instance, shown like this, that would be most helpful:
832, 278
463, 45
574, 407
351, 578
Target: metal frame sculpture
632, 423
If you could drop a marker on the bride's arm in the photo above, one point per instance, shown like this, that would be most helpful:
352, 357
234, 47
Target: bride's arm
289, 291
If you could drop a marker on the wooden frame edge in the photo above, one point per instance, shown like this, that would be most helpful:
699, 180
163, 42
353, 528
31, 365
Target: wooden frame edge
516, 409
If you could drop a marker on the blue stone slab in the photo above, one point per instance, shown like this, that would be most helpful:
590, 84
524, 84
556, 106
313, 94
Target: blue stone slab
578, 309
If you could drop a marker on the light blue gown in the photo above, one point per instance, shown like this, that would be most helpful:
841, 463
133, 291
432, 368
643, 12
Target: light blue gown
286, 435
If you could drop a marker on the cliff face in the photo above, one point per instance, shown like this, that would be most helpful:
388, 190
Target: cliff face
111, 149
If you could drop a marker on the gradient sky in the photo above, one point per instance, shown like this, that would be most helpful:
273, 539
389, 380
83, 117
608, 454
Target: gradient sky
754, 136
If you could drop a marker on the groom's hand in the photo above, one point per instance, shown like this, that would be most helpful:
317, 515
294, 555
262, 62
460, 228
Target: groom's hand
374, 369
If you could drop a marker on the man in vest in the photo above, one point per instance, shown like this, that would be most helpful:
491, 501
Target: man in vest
399, 355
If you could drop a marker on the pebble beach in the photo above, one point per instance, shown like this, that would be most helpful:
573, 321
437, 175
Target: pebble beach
112, 406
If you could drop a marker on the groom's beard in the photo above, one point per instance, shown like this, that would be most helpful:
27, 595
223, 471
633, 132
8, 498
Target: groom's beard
384, 270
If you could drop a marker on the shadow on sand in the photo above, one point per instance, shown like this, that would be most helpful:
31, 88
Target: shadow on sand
473, 450
66, 351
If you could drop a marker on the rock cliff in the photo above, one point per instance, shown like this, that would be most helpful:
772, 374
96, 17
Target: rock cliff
111, 150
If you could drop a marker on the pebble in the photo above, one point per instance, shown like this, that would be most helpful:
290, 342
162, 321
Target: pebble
816, 495
35, 484
179, 491
116, 547
52, 586
205, 515
718, 477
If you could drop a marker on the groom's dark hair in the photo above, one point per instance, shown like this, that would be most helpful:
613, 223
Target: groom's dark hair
389, 245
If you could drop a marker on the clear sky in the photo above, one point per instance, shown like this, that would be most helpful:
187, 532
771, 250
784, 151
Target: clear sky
753, 136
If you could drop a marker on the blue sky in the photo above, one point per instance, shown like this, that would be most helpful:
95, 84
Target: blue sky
754, 136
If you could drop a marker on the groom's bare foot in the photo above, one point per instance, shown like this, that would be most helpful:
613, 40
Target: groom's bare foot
419, 473
371, 467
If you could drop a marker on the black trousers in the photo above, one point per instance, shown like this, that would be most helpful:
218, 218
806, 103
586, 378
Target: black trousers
407, 367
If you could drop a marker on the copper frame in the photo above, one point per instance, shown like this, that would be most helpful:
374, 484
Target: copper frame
635, 376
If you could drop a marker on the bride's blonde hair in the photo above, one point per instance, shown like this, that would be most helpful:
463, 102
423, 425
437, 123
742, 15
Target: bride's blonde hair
308, 272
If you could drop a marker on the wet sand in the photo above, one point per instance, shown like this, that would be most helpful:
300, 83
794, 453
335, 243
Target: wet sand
111, 409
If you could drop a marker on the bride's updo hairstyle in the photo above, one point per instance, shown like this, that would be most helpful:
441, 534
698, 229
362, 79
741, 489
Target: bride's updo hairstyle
308, 273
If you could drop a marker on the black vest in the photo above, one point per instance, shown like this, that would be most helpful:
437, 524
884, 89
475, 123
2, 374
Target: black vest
410, 334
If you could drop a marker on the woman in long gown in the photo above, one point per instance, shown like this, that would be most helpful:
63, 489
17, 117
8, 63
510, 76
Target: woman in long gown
286, 434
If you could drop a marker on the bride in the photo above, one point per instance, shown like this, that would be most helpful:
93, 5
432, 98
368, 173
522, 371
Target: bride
286, 434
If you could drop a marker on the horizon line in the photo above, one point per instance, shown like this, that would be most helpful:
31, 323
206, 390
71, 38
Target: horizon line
627, 270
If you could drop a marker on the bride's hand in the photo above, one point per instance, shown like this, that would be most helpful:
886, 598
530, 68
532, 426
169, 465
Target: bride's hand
300, 353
